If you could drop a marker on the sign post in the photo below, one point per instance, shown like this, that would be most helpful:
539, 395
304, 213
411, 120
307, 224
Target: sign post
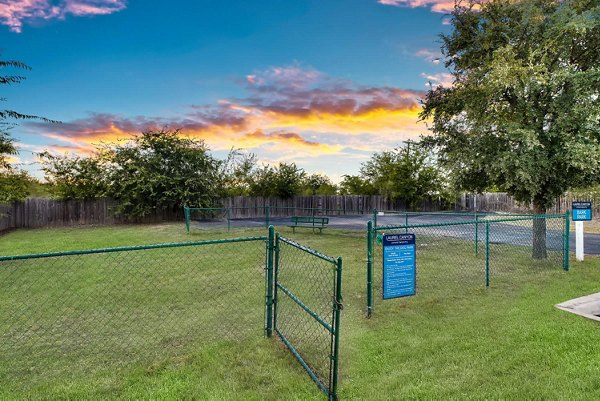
581, 211
399, 266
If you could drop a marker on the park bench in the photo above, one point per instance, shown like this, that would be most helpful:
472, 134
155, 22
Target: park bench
309, 222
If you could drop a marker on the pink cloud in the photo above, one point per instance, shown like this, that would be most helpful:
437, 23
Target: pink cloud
288, 112
438, 6
441, 79
432, 56
14, 13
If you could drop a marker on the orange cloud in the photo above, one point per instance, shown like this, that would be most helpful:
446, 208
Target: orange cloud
288, 112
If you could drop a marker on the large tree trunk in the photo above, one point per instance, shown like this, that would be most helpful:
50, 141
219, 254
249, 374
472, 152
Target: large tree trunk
539, 233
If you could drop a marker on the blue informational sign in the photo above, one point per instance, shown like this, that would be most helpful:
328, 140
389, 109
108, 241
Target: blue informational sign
582, 211
399, 266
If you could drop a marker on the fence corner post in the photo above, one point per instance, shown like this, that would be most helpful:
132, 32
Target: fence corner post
476, 234
269, 297
567, 239
228, 219
267, 213
370, 234
337, 308
487, 254
186, 215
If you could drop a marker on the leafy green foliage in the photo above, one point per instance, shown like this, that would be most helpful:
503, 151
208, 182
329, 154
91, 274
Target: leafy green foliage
14, 185
406, 174
523, 113
237, 173
284, 181
356, 185
162, 170
7, 148
157, 170
75, 177
319, 184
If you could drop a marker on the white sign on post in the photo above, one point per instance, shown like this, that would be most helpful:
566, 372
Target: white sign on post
581, 211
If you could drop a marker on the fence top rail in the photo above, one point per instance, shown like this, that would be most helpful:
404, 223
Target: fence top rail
459, 223
319, 209
452, 213
131, 248
307, 249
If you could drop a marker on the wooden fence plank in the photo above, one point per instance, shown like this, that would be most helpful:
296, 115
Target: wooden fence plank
41, 212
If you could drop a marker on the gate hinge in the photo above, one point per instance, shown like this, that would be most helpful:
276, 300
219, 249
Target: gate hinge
337, 305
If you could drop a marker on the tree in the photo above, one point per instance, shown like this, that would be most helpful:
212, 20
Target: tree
523, 113
237, 170
14, 184
284, 181
7, 148
319, 184
75, 177
157, 170
407, 174
356, 185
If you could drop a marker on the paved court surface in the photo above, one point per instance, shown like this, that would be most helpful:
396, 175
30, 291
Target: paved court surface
501, 233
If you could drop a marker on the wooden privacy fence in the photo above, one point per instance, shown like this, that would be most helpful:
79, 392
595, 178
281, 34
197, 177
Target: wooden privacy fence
42, 212
502, 202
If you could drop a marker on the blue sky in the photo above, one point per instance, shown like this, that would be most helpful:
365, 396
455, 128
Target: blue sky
322, 83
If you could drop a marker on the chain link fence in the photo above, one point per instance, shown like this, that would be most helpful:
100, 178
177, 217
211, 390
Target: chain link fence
231, 218
75, 312
458, 256
307, 309
235, 218
79, 311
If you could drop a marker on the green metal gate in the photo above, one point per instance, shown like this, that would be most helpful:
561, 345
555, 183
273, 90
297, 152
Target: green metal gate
307, 302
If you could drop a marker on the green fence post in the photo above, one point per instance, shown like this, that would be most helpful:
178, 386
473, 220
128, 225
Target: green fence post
269, 297
337, 308
186, 214
487, 254
370, 235
267, 213
567, 240
228, 220
476, 234
275, 281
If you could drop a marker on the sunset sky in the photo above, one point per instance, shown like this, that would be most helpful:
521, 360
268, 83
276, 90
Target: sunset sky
324, 83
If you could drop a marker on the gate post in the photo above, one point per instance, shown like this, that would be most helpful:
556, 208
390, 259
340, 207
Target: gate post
567, 236
370, 234
337, 307
186, 212
487, 254
269, 297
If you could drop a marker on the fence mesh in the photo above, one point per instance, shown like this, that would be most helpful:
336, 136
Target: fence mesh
80, 311
458, 256
307, 301
278, 216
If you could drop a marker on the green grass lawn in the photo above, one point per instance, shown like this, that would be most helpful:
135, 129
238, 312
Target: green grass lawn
451, 341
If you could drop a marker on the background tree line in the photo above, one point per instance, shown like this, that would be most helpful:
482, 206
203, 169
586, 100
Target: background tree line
165, 170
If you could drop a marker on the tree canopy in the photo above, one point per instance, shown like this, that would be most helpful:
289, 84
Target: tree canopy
408, 174
523, 113
14, 183
153, 171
